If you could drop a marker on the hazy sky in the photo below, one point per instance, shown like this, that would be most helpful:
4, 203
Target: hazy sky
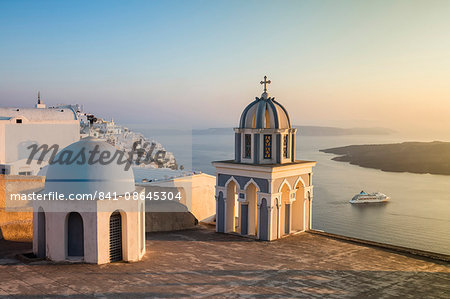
199, 63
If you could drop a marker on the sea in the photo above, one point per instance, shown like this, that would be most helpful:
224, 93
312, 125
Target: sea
417, 216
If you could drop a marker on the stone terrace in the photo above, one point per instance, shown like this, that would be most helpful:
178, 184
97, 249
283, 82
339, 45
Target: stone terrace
200, 262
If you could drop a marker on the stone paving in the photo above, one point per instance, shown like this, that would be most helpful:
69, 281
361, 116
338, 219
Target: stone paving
200, 262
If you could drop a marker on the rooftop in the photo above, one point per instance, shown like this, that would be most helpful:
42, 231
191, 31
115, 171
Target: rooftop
200, 262
38, 115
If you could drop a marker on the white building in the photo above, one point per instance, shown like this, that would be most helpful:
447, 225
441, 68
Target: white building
97, 230
264, 192
22, 127
107, 127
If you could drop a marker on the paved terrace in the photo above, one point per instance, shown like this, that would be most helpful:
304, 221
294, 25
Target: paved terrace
200, 262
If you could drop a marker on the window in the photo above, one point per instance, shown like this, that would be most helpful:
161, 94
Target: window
267, 146
248, 146
18, 121
286, 146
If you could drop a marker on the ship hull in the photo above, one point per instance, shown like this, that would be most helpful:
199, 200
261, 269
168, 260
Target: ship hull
369, 200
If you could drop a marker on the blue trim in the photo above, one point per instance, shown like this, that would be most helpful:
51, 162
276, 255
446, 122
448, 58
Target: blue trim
264, 218
220, 221
237, 147
242, 181
74, 113
256, 148
278, 148
244, 219
275, 113
244, 114
260, 115
281, 106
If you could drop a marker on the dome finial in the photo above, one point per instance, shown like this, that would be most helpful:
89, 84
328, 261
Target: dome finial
265, 82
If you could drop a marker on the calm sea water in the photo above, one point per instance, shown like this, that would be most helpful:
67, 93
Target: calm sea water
417, 216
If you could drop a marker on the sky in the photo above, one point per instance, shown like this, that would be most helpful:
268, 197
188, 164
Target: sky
199, 63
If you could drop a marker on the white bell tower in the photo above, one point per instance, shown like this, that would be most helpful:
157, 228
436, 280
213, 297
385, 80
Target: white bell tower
40, 104
264, 192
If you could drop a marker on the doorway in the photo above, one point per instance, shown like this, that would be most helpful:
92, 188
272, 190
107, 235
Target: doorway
115, 237
75, 235
41, 234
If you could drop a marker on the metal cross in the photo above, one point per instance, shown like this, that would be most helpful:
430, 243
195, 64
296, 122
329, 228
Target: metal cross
265, 82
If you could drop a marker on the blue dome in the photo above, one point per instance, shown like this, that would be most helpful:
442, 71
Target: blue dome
265, 113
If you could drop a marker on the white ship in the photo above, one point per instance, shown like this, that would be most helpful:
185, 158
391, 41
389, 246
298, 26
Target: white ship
364, 197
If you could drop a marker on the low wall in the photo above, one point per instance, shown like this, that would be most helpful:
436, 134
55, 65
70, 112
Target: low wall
197, 202
169, 221
17, 226
400, 249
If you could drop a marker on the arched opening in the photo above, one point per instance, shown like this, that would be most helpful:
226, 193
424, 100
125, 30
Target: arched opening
264, 221
233, 208
252, 209
298, 208
41, 235
220, 218
115, 237
285, 213
75, 235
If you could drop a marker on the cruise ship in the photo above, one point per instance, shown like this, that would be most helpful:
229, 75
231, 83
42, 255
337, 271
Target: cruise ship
364, 197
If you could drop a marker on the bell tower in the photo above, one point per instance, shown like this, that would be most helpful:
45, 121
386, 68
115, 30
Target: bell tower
265, 135
40, 104
264, 192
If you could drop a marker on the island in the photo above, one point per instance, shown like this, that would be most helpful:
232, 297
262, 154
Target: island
414, 157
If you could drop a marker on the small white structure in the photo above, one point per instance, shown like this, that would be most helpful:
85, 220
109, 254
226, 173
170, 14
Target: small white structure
22, 127
264, 192
195, 204
86, 225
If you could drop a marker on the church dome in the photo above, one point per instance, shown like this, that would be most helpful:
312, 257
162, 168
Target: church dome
265, 113
73, 172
